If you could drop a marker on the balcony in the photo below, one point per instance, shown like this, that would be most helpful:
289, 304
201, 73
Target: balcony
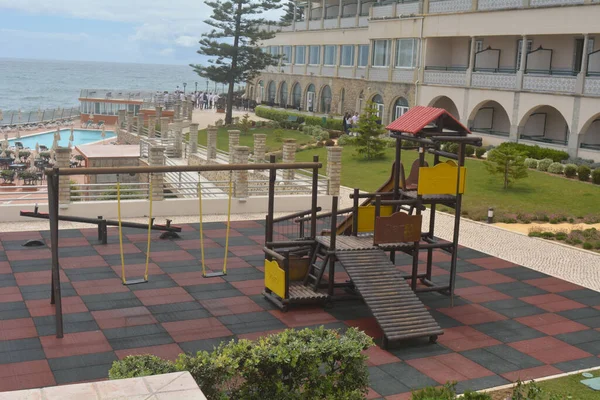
448, 76
562, 81
384, 11
494, 78
395, 9
592, 85
543, 3
449, 6
485, 5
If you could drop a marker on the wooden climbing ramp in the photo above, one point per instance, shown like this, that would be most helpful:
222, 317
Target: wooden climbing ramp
397, 309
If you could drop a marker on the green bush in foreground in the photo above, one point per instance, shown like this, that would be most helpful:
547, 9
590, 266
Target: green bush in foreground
583, 173
282, 116
536, 152
307, 364
531, 163
556, 168
447, 392
479, 152
596, 176
570, 170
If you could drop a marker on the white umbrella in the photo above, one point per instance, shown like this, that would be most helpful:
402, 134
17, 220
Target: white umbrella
71, 137
70, 144
37, 147
57, 133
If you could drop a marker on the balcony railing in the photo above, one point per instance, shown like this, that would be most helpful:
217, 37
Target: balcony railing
590, 146
490, 132
446, 75
560, 72
449, 6
550, 83
544, 139
592, 85
538, 3
484, 5
460, 68
494, 80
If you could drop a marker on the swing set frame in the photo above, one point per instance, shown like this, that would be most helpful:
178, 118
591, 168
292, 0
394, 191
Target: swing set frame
53, 181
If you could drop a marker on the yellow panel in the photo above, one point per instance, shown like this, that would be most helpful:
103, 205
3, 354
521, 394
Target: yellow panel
440, 179
451, 162
366, 217
275, 278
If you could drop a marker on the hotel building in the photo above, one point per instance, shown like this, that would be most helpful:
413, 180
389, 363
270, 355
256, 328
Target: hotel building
519, 70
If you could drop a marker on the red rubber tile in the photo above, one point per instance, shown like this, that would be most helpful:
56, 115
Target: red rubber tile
163, 296
114, 248
17, 236
242, 251
549, 350
232, 263
165, 351
43, 308
532, 373
371, 394
377, 356
303, 317
552, 302
486, 277
246, 225
196, 329
173, 255
230, 306
28, 254
481, 294
25, 375
220, 233
464, 338
12, 329
194, 244
401, 396
250, 288
123, 317
367, 325
492, 263
437, 256
70, 242
73, 344
10, 294
553, 285
551, 324
138, 269
37, 278
5, 267
102, 286
194, 278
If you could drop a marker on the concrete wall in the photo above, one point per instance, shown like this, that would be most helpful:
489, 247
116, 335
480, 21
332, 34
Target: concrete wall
112, 162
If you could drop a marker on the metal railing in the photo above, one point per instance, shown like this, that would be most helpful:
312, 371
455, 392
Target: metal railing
459, 68
108, 191
18, 118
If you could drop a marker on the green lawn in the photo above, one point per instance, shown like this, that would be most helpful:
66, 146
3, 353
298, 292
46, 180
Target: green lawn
570, 386
539, 193
273, 143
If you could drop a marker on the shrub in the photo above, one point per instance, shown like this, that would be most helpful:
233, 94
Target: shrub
588, 246
329, 142
479, 152
136, 366
24, 153
537, 152
556, 168
544, 164
583, 173
531, 163
570, 170
508, 163
447, 392
596, 176
469, 150
306, 364
346, 140
579, 161
282, 115
451, 148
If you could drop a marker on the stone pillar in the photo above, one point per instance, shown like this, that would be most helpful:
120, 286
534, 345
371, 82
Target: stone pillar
584, 66
240, 178
289, 156
140, 124
158, 112
260, 147
334, 170
193, 141
523, 64
122, 116
63, 160
234, 140
177, 110
156, 158
164, 126
190, 110
151, 126
178, 139
211, 142
184, 109
471, 66
129, 121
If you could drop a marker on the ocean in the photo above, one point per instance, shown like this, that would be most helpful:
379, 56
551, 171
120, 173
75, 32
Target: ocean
29, 85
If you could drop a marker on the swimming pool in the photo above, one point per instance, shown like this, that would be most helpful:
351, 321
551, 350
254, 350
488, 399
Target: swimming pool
46, 139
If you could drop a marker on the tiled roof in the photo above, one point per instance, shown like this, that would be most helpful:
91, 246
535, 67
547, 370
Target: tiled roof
418, 117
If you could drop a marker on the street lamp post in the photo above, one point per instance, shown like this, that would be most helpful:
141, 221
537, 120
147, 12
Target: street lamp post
184, 85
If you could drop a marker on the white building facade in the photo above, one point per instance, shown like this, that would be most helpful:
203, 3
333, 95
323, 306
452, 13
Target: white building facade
519, 70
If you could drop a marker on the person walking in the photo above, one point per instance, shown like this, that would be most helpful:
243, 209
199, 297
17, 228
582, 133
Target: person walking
205, 101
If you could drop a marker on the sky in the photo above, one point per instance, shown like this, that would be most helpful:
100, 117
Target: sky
134, 31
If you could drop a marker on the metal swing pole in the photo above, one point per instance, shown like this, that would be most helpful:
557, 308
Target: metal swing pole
55, 297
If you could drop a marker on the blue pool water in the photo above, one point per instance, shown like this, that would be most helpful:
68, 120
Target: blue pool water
46, 139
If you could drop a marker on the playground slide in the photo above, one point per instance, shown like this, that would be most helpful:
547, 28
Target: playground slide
346, 225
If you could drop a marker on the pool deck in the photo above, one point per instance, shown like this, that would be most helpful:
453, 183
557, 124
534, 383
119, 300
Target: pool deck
508, 322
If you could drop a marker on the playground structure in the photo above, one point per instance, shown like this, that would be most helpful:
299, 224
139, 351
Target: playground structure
364, 239
54, 183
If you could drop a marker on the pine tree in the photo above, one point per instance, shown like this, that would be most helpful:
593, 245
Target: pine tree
288, 16
232, 44
369, 144
507, 162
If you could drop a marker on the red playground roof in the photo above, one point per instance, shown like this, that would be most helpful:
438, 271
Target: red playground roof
418, 117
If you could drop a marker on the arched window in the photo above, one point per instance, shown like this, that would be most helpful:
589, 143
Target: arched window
378, 101
271, 90
326, 100
283, 95
310, 98
400, 107
296, 95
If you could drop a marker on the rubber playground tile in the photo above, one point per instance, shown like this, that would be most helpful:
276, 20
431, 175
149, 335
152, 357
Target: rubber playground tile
552, 324
251, 322
220, 233
21, 350
576, 365
37, 278
163, 281
464, 338
480, 294
5, 266
235, 242
70, 242
73, 344
196, 329
13, 310
517, 289
137, 336
90, 274
553, 285
584, 296
102, 286
550, 350
552, 302
10, 294
123, 317
230, 306
513, 308
216, 291
115, 259
31, 265
407, 375
7, 280
111, 301
508, 331
368, 325
194, 278
486, 277
164, 351
82, 367
28, 254
77, 251
243, 274
115, 248
21, 328
72, 323
250, 287
153, 297
521, 273
209, 345
501, 359
492, 263
158, 247
377, 356
65, 233
449, 367
480, 383
216, 264
385, 384
178, 312
472, 314
302, 317
464, 253
83, 262
173, 255
25, 375
531, 373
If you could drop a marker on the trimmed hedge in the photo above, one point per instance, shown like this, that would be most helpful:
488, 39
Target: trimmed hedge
537, 152
596, 176
544, 164
570, 170
583, 173
531, 163
282, 115
479, 152
556, 168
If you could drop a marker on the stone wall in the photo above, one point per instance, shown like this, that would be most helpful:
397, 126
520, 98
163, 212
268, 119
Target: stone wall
125, 137
352, 89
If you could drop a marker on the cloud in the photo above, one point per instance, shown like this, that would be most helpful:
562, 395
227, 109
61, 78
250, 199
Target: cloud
166, 52
7, 34
186, 41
